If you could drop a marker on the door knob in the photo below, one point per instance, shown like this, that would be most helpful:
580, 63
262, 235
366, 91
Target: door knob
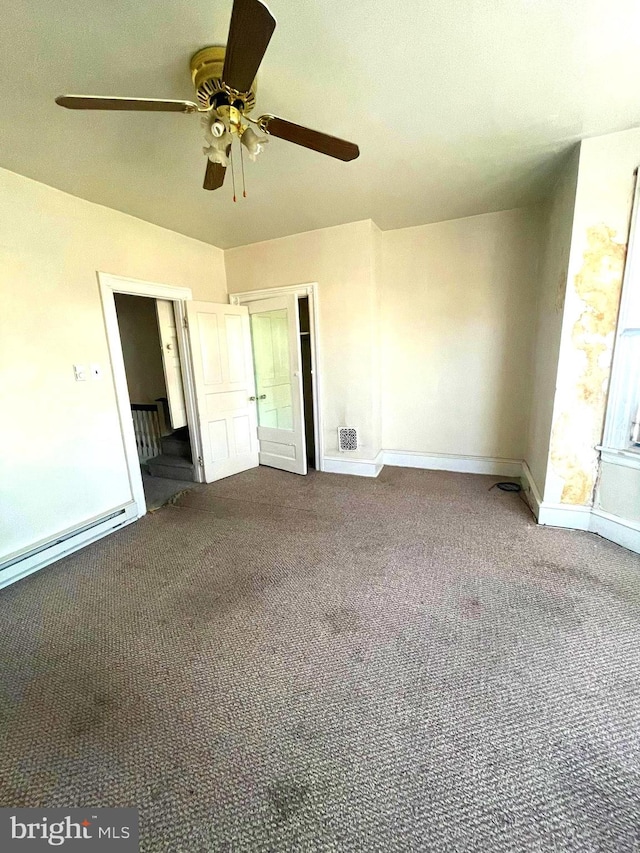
262, 397
253, 399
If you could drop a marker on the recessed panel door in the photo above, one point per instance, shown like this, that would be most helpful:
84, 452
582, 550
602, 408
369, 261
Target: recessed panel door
171, 362
220, 343
278, 374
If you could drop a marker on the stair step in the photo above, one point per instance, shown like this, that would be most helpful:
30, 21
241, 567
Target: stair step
171, 467
175, 447
177, 443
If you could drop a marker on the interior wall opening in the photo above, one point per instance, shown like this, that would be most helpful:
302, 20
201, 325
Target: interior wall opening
148, 335
283, 341
307, 379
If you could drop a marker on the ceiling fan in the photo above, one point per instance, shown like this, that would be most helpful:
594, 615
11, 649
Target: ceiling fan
225, 85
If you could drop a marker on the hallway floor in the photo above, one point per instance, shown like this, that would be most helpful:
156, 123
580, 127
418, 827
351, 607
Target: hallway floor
160, 490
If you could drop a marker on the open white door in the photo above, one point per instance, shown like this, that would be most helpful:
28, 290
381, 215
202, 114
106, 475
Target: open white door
275, 335
171, 362
220, 344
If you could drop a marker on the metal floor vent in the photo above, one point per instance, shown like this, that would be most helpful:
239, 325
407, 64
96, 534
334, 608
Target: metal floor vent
347, 438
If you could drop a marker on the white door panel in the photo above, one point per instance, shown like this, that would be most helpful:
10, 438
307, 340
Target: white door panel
220, 342
171, 362
275, 335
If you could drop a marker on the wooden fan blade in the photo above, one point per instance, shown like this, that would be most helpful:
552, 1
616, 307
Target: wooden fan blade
250, 31
96, 102
214, 176
313, 139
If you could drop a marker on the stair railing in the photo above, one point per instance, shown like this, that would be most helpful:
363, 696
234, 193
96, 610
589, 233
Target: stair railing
146, 425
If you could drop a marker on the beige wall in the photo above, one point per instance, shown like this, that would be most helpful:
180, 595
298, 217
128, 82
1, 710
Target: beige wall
557, 224
138, 324
596, 264
62, 457
425, 333
341, 260
457, 304
377, 352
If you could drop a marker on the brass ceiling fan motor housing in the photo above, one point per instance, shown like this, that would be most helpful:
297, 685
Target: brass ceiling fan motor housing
206, 72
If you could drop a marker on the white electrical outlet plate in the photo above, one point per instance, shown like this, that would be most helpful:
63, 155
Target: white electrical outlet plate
80, 372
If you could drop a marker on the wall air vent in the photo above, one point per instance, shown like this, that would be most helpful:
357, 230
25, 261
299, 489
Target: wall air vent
347, 439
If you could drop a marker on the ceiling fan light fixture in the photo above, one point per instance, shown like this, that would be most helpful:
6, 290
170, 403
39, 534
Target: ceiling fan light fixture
224, 79
217, 137
253, 143
217, 151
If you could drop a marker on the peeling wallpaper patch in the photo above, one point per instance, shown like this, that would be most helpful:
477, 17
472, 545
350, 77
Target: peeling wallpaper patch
579, 427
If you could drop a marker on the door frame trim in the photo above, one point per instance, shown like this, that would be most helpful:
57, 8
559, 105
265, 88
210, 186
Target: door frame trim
310, 290
109, 285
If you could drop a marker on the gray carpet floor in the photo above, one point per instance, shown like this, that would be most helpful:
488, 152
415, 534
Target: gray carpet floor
160, 490
328, 663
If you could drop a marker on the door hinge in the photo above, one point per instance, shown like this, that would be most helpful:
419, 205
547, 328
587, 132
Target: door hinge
201, 461
185, 322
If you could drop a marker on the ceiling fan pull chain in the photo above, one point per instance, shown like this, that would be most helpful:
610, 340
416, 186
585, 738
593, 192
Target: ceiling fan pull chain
244, 190
233, 172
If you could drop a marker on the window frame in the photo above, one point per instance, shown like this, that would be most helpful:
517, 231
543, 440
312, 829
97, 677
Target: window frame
617, 445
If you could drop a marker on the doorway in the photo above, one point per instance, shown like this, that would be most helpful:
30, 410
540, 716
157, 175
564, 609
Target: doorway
216, 358
307, 379
284, 332
109, 286
214, 346
148, 336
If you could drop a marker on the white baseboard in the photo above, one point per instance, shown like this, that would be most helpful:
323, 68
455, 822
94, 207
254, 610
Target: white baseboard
619, 530
450, 462
564, 515
428, 461
531, 490
355, 467
33, 562
554, 515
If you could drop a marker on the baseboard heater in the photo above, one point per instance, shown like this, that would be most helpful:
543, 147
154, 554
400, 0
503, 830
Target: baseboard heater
59, 540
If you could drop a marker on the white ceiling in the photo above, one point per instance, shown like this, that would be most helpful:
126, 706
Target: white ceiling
459, 106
